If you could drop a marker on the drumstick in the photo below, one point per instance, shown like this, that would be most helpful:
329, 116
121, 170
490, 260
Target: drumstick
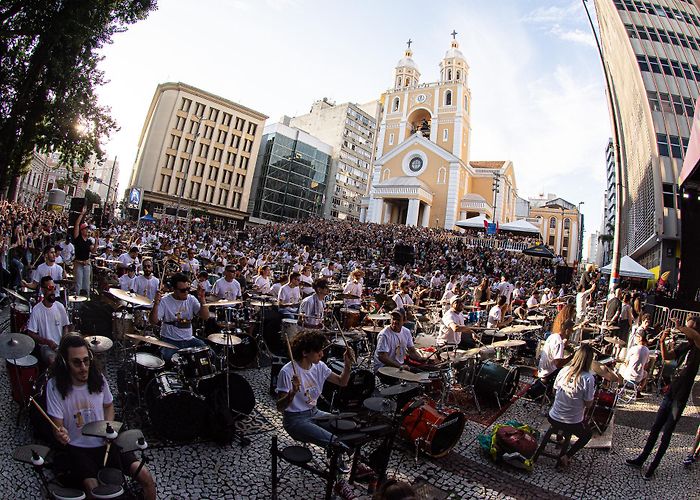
104, 462
291, 358
43, 414
347, 346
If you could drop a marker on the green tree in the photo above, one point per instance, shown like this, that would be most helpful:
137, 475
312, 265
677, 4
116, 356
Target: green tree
49, 56
92, 198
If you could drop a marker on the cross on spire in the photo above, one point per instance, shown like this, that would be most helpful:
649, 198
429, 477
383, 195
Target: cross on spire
454, 35
409, 43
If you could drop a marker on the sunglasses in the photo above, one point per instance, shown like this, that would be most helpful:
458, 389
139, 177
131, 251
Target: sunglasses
80, 362
50, 288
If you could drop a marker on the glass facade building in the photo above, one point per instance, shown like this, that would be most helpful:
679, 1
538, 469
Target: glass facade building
650, 52
290, 176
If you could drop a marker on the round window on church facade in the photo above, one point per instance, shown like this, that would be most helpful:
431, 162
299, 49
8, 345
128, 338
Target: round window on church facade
416, 164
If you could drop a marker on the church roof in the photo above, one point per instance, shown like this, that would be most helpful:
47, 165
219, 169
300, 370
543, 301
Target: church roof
404, 181
473, 197
487, 164
407, 61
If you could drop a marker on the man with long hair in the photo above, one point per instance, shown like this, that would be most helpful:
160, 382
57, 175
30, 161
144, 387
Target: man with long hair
78, 394
575, 391
671, 408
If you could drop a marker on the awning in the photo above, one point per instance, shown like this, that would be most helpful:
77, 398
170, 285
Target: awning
629, 268
519, 226
472, 222
540, 250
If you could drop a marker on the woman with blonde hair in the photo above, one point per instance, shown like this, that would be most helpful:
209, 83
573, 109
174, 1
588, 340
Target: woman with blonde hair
575, 390
568, 312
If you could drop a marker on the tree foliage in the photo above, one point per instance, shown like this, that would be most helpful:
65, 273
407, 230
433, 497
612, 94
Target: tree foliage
49, 57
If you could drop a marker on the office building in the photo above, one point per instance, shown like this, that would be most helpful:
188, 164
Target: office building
560, 224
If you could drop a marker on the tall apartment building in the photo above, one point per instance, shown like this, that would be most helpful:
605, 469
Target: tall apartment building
291, 175
197, 151
650, 51
349, 129
607, 223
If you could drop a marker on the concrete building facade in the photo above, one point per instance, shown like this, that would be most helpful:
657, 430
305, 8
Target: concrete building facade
559, 222
197, 151
651, 53
349, 130
422, 174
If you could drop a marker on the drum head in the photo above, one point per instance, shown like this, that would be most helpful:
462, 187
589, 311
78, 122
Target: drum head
27, 360
149, 361
193, 349
494, 381
447, 434
177, 414
241, 396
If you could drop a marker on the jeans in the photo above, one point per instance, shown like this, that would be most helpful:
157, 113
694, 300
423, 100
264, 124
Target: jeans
167, 352
300, 427
670, 412
83, 275
580, 430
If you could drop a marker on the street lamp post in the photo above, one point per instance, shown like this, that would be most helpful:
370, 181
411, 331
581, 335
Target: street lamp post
580, 232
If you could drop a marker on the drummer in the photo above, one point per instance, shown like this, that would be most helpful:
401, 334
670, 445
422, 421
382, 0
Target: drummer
312, 308
306, 281
452, 329
126, 281
146, 284
227, 287
633, 371
130, 258
47, 268
176, 312
202, 281
497, 314
354, 287
403, 299
261, 282
48, 322
552, 359
289, 297
78, 394
394, 343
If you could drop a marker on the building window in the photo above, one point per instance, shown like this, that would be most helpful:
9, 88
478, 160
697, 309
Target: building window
186, 103
551, 240
668, 195
226, 119
203, 150
252, 127
217, 154
193, 126
247, 145
407, 82
213, 114
164, 183
449, 74
552, 223
222, 136
385, 174
235, 141
395, 105
236, 199
244, 162
169, 162
223, 197
198, 169
199, 110
391, 139
213, 174
174, 142
448, 98
445, 135
240, 123
231, 158
567, 224
458, 75
442, 175
662, 144
208, 131
565, 242
564, 253
180, 123
183, 164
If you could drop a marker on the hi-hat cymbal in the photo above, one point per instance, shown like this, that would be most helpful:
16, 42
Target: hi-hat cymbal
398, 389
99, 428
604, 327
335, 302
15, 295
391, 371
131, 297
488, 303
150, 340
25, 453
15, 345
379, 317
372, 329
223, 303
615, 340
98, 343
224, 339
77, 298
508, 343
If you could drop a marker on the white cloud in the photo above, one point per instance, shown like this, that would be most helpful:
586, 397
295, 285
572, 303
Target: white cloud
574, 35
552, 14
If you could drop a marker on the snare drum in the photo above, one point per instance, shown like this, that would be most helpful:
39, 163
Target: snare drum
290, 327
147, 367
350, 317
196, 363
23, 372
176, 412
360, 387
122, 323
434, 431
19, 316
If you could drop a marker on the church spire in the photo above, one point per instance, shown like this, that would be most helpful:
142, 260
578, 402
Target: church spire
406, 74
454, 67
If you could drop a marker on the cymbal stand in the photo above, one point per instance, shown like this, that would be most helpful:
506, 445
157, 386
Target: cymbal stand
470, 378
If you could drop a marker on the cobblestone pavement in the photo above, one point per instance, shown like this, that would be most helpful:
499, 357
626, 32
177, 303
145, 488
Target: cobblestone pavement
206, 470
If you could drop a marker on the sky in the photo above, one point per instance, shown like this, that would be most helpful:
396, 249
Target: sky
538, 93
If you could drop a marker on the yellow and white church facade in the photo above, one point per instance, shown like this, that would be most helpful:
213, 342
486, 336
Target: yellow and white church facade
421, 174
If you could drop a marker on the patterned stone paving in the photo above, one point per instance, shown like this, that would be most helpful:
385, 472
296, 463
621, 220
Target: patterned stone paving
206, 470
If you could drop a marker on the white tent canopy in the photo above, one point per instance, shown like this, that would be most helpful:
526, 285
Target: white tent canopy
629, 268
521, 225
472, 222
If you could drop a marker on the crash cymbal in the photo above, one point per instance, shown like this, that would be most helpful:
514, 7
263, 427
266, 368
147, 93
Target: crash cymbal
379, 317
512, 329
261, 303
77, 298
459, 355
223, 303
530, 328
129, 440
224, 339
590, 341
380, 405
131, 297
391, 371
537, 317
470, 353
15, 345
508, 343
98, 343
99, 428
397, 389
15, 295
334, 302
603, 371
488, 303
604, 327
150, 340
372, 329
615, 340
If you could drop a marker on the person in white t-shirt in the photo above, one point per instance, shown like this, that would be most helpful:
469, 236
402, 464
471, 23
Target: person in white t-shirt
575, 391
311, 310
582, 301
47, 268
146, 284
505, 288
176, 312
78, 394
261, 282
306, 281
48, 322
300, 383
128, 258
227, 287
289, 297
452, 329
636, 360
126, 281
354, 288
394, 343
497, 316
534, 299
202, 281
552, 357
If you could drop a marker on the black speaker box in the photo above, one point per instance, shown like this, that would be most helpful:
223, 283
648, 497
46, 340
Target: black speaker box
404, 254
564, 275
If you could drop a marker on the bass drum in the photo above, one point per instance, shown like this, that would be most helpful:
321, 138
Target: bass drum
19, 316
496, 383
241, 398
433, 430
601, 413
177, 413
245, 353
360, 387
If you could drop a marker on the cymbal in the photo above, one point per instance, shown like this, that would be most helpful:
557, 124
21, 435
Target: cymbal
99, 428
109, 261
334, 416
604, 327
512, 329
150, 340
537, 317
223, 303
391, 371
508, 343
530, 328
98, 343
129, 440
335, 302
224, 339
615, 340
261, 303
15, 345
15, 295
488, 303
603, 371
77, 298
372, 329
380, 405
131, 297
24, 453
379, 317
459, 355
398, 389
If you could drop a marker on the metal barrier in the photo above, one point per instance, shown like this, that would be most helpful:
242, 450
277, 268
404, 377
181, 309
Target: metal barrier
659, 315
681, 315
